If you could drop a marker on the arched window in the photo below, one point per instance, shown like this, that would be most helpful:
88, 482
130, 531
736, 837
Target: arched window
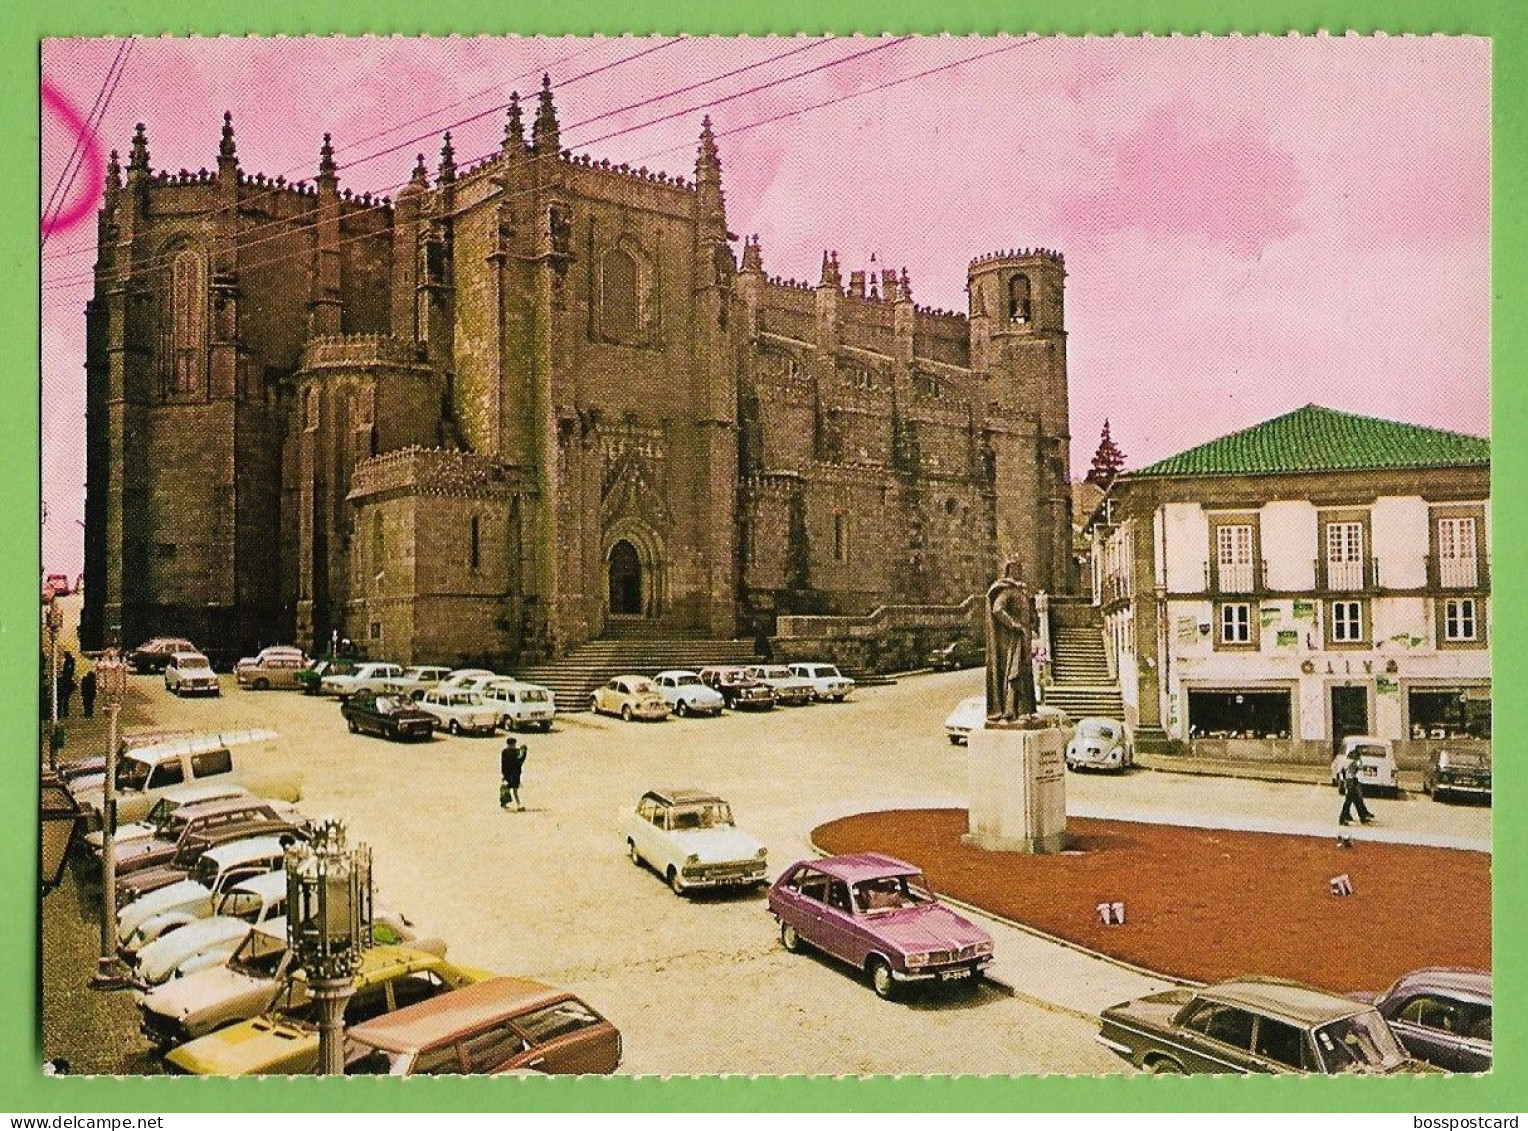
1018, 299
619, 301
188, 321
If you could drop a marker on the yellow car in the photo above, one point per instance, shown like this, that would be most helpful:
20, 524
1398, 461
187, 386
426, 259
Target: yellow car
284, 1040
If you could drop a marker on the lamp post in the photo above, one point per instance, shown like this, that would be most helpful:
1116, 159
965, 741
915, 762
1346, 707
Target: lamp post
111, 686
328, 926
55, 621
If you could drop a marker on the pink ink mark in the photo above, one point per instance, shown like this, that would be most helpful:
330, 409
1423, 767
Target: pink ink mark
71, 213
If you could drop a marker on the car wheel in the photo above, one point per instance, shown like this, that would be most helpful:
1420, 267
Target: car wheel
546, 728
454, 727
789, 939
626, 713
954, 740
881, 981
262, 685
674, 882
1163, 1066
355, 728
681, 708
594, 704
631, 850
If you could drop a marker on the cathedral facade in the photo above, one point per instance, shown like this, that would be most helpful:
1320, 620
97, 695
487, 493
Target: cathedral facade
537, 400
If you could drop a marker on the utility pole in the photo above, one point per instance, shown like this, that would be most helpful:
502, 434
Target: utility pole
111, 685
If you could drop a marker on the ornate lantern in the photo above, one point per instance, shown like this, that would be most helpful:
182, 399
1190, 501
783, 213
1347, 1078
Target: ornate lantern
329, 921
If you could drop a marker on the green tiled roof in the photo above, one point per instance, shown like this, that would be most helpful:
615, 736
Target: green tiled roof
1320, 439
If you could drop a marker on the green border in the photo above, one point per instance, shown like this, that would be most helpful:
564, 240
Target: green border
24, 1089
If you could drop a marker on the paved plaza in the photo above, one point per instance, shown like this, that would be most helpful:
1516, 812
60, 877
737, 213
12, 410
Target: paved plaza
702, 985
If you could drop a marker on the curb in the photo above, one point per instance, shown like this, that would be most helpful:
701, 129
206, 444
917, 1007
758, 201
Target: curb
1013, 991
1246, 773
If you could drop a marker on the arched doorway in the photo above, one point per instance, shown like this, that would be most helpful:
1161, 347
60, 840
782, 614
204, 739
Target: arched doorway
625, 580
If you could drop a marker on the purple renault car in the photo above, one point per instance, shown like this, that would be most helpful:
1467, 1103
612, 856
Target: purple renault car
878, 914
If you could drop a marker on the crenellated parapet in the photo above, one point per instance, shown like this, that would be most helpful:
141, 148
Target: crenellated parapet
1020, 253
334, 351
433, 472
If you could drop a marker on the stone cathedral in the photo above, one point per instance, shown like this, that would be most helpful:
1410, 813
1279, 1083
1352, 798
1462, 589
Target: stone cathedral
536, 400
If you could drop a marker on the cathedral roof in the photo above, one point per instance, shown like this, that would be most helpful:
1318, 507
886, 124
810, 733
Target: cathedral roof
1313, 439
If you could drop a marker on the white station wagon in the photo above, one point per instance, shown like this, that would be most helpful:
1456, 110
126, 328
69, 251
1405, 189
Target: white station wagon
190, 673
521, 706
688, 837
826, 680
367, 677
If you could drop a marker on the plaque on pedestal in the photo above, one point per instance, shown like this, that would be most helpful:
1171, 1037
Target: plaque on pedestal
1018, 789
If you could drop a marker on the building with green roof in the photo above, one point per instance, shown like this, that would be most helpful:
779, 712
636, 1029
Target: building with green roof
1322, 574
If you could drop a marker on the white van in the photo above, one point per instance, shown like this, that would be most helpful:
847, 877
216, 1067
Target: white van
1376, 762
521, 706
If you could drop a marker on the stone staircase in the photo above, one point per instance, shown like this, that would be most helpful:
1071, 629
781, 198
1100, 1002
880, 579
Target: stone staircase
577, 674
1080, 681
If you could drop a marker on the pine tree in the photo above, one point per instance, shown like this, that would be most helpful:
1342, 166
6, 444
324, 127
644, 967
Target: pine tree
1107, 461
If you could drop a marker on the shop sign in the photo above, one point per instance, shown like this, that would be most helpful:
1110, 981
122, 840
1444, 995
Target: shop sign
1305, 610
1269, 615
1386, 686
1288, 638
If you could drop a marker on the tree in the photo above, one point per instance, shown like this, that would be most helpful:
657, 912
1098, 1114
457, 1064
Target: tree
1108, 460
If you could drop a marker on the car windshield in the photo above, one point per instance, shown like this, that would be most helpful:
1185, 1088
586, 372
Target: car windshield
826, 670
708, 815
686, 680
190, 660
643, 687
734, 676
364, 1060
258, 956
533, 695
891, 893
1104, 731
132, 774
204, 871
160, 815
244, 905
1361, 1043
386, 704
1370, 751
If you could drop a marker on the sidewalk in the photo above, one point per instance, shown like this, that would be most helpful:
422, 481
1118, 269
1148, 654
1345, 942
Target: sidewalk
1301, 773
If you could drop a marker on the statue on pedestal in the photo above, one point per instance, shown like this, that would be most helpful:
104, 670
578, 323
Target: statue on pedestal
1010, 646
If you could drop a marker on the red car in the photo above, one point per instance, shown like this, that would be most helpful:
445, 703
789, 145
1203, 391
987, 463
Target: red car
879, 915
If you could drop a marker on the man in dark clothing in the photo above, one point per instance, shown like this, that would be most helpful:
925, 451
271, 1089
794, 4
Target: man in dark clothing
511, 762
65, 693
88, 692
1353, 793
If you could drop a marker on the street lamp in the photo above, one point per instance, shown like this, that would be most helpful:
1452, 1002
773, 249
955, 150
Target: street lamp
328, 926
55, 621
111, 686
60, 819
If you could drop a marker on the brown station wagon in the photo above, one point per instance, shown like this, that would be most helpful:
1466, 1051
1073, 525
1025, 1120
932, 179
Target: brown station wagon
501, 1025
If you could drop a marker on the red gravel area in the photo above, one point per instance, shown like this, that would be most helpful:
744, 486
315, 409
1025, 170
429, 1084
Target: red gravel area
1209, 904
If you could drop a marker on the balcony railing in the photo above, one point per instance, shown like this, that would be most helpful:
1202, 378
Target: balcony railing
1458, 573
1348, 576
1242, 577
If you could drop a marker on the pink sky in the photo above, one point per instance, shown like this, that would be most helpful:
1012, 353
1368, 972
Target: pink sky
1250, 224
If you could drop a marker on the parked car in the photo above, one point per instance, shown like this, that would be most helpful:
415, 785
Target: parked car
158, 818
957, 654
311, 677
826, 680
533, 1027
686, 695
470, 678
1457, 773
284, 1039
190, 673
879, 915
211, 941
1099, 744
739, 690
971, 714
415, 681
275, 667
151, 656
205, 1000
243, 848
1251, 1025
688, 837
145, 773
190, 825
1376, 762
390, 716
631, 697
366, 677
460, 712
521, 706
790, 690
1442, 1015
219, 869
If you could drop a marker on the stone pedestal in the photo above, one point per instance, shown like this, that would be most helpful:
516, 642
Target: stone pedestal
1018, 790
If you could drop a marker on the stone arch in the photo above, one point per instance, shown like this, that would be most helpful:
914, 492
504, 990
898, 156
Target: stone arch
635, 571
627, 291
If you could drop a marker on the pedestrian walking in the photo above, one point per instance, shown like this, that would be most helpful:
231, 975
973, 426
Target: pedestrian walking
88, 692
65, 693
68, 667
1353, 793
511, 763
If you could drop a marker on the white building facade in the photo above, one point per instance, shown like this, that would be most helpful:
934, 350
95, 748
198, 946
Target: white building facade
1320, 575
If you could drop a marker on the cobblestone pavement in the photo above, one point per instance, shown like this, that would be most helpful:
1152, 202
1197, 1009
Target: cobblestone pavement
701, 985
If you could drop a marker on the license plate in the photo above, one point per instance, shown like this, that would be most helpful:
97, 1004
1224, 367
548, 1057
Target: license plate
954, 975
